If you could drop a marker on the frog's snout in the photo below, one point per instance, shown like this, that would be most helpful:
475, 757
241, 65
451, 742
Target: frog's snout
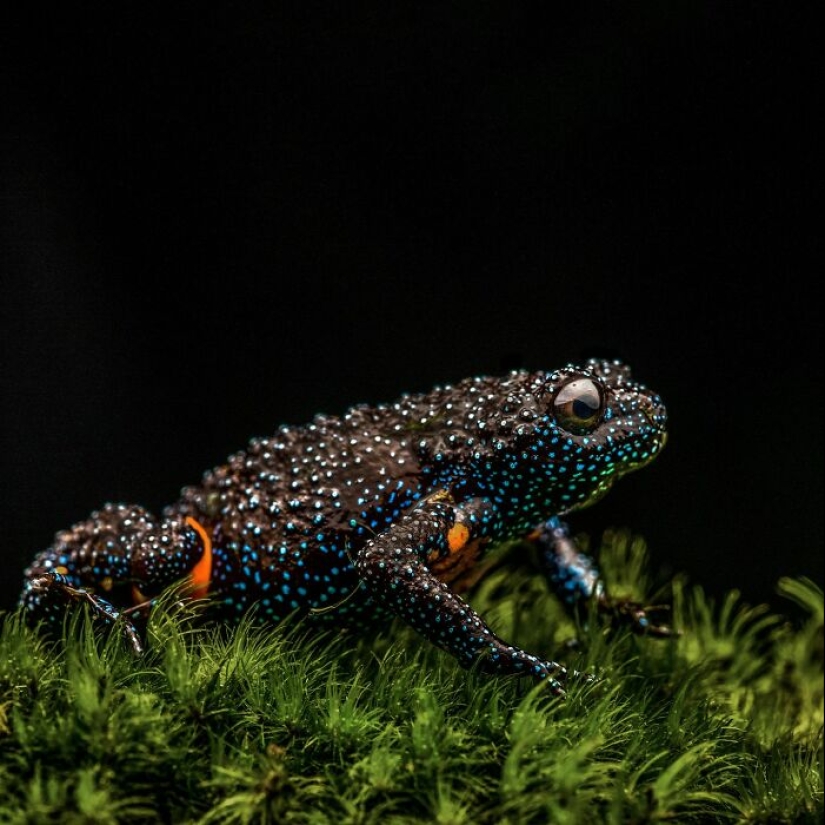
655, 412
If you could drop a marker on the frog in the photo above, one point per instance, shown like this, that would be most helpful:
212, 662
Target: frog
386, 511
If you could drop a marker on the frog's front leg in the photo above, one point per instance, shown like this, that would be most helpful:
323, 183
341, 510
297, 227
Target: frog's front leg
575, 577
396, 568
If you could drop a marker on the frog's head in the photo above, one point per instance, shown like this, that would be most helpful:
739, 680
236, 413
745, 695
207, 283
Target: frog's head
565, 437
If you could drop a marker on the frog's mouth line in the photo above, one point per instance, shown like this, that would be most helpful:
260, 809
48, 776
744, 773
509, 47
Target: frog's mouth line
598, 493
632, 466
619, 471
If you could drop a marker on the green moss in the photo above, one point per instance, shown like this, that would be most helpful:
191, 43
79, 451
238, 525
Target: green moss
255, 724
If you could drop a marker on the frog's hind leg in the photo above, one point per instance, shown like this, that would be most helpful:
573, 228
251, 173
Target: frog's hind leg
90, 563
116, 562
47, 598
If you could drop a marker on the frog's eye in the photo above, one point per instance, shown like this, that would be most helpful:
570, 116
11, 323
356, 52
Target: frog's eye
579, 405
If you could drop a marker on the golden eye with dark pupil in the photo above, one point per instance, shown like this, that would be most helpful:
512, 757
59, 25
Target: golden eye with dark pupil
579, 405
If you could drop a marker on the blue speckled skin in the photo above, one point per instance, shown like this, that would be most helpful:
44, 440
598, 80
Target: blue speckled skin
385, 510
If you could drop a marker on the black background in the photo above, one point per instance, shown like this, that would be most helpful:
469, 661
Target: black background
217, 222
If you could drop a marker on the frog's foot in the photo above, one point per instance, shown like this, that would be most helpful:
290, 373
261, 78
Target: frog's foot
47, 596
499, 658
400, 569
647, 620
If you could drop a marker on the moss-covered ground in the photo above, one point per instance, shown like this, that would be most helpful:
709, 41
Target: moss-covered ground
255, 725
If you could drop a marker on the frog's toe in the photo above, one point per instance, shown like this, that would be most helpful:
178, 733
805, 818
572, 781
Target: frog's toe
582, 677
560, 680
46, 597
645, 620
555, 687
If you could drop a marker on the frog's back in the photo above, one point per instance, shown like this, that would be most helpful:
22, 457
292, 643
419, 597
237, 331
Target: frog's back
383, 510
288, 513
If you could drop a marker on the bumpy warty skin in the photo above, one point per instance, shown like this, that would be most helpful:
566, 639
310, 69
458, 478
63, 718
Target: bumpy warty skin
312, 518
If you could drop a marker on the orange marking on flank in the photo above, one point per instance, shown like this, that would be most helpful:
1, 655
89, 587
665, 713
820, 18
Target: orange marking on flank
201, 573
457, 537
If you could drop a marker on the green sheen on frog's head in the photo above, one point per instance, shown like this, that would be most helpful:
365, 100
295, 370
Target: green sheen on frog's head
547, 443
599, 425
